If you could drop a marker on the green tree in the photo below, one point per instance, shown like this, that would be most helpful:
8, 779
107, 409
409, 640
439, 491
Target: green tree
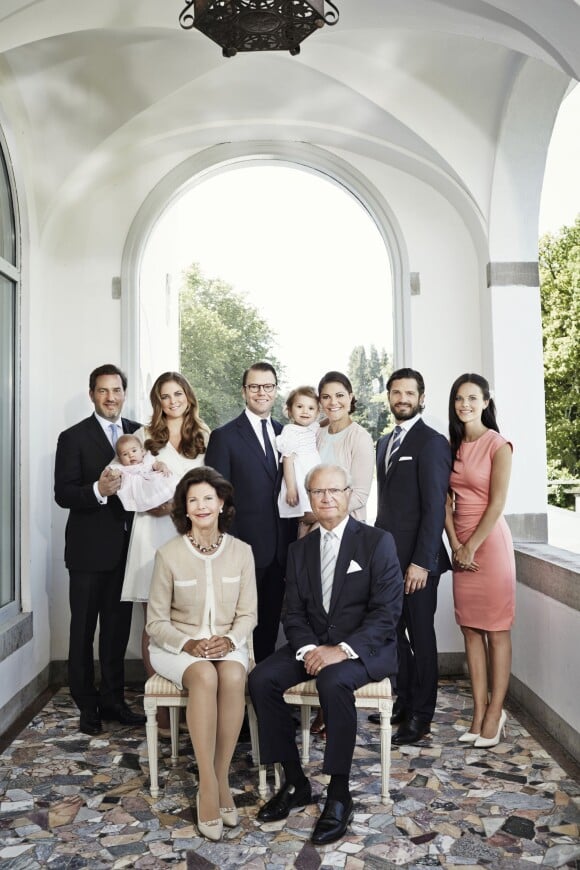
559, 257
368, 374
221, 334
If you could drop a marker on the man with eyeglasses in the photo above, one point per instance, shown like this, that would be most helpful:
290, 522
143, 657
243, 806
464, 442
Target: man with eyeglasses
244, 451
344, 592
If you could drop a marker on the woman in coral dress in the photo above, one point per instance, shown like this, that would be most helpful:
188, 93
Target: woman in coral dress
483, 555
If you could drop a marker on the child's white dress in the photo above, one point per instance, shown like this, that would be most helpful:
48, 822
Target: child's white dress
142, 488
299, 441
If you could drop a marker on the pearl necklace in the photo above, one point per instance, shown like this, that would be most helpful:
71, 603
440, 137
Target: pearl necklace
203, 549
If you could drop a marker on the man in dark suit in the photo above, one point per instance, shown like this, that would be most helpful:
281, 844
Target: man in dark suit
413, 468
244, 452
344, 595
97, 535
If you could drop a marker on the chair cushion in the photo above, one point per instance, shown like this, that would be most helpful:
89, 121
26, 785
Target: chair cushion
380, 689
157, 685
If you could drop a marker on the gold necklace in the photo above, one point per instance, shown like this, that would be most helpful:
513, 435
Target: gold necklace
203, 549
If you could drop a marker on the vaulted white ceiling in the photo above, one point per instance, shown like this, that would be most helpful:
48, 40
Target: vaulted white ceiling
421, 84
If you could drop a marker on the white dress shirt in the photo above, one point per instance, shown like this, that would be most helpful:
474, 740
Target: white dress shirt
338, 532
106, 427
256, 424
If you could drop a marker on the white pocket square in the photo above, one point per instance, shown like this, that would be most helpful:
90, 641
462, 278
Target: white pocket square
354, 566
403, 458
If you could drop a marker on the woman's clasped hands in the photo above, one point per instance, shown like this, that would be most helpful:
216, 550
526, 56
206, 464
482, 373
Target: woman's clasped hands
463, 557
212, 647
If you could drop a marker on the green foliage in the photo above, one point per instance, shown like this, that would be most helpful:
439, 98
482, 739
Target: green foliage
221, 334
559, 258
368, 375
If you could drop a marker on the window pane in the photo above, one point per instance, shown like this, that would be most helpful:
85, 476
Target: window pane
7, 234
7, 333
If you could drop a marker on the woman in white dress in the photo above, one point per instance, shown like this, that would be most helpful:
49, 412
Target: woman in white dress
178, 437
202, 609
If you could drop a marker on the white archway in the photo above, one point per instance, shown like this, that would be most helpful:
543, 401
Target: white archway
207, 163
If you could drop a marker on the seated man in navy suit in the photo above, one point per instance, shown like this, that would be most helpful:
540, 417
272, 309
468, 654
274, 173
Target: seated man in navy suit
344, 596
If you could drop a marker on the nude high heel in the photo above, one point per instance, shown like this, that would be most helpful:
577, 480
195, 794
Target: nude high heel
213, 829
486, 742
468, 737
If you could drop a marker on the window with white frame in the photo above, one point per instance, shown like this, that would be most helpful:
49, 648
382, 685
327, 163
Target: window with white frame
9, 286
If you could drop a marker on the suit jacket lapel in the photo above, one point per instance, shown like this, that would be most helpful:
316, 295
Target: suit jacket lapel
343, 561
102, 443
251, 439
407, 443
313, 566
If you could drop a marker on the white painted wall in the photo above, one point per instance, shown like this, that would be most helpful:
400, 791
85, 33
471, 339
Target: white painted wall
545, 651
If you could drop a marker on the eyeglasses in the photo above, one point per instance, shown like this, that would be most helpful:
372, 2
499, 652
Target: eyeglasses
255, 388
331, 491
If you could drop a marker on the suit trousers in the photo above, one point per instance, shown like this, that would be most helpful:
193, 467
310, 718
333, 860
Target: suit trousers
96, 595
336, 685
271, 587
418, 670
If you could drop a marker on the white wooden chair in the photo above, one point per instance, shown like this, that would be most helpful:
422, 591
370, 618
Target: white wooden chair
373, 696
160, 692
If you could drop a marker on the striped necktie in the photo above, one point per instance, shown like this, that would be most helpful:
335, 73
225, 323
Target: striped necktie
395, 444
327, 566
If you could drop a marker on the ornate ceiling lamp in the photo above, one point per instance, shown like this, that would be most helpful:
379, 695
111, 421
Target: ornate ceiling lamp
257, 25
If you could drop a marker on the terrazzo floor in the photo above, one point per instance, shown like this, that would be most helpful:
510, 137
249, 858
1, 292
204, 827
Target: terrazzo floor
71, 801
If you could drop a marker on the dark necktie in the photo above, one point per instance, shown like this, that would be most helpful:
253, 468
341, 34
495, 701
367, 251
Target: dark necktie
268, 447
395, 444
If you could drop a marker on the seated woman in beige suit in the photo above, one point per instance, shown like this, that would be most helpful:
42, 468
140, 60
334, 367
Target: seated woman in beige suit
202, 608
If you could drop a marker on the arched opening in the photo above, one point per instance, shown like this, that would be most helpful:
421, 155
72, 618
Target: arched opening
289, 246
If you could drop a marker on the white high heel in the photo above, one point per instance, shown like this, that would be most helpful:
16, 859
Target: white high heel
229, 816
213, 829
468, 737
486, 742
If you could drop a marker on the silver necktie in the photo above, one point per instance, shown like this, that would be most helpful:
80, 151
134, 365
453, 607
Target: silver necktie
328, 564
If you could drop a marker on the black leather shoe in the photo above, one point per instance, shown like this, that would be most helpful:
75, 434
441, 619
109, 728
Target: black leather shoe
288, 798
399, 715
333, 822
412, 731
122, 713
90, 722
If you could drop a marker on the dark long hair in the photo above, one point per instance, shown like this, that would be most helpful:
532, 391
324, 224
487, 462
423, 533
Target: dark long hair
456, 427
223, 488
194, 432
338, 378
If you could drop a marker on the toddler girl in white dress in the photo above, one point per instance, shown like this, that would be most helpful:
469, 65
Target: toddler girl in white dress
297, 444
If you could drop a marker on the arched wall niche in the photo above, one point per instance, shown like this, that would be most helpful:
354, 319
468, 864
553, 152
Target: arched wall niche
201, 166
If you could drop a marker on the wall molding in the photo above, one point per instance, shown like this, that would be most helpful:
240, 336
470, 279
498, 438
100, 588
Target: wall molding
550, 571
15, 633
525, 274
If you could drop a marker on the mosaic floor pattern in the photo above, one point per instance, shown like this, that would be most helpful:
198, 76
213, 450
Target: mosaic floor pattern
71, 801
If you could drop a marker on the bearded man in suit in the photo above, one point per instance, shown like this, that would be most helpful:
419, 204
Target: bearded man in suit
344, 595
96, 540
413, 469
244, 452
